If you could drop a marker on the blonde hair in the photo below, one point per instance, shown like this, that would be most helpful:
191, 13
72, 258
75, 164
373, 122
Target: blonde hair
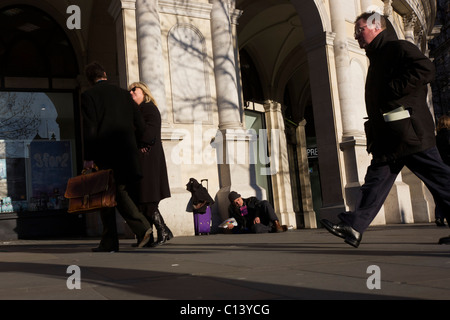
443, 123
147, 94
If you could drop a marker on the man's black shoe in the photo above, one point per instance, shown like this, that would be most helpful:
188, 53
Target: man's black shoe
350, 235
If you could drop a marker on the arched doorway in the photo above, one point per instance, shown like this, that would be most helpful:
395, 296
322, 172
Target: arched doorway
287, 44
32, 44
39, 135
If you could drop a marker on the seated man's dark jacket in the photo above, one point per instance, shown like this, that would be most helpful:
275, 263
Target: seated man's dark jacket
245, 222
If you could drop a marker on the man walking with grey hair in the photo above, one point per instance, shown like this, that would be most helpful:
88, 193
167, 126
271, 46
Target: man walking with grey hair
400, 127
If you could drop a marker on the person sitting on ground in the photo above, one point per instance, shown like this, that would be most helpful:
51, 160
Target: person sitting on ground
252, 215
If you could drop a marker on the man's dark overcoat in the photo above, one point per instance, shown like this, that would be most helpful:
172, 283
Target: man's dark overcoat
398, 76
111, 122
443, 144
154, 185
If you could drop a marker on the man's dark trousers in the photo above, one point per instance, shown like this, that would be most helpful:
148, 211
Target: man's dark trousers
129, 211
380, 177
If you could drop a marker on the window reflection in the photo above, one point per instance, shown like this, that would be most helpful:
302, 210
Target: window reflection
36, 150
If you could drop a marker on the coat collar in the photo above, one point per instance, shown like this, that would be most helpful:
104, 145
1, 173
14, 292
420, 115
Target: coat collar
381, 39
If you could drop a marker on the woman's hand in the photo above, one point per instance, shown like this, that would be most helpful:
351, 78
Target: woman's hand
88, 164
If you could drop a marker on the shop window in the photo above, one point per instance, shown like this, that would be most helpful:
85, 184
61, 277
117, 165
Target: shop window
259, 158
37, 127
37, 150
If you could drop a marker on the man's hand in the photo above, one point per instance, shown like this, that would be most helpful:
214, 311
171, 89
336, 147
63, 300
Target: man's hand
145, 149
256, 220
88, 164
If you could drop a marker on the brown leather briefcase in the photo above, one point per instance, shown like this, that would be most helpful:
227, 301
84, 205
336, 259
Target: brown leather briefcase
91, 191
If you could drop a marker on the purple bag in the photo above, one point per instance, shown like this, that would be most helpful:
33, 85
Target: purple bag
202, 222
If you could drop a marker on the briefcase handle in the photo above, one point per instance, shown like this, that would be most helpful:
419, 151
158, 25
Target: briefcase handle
89, 170
207, 183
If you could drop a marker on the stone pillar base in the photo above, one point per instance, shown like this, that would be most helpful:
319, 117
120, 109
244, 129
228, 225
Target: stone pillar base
398, 208
421, 198
235, 170
177, 216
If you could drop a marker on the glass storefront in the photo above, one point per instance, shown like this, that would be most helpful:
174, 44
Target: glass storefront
39, 124
38, 129
255, 121
37, 150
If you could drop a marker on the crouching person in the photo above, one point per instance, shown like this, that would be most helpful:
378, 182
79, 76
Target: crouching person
252, 215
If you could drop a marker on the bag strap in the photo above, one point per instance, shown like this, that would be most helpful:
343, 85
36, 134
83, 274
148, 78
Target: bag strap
90, 170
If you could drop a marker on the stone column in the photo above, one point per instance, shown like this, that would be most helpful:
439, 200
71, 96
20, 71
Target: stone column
225, 64
309, 214
279, 164
409, 21
151, 59
388, 9
123, 12
343, 71
352, 143
319, 50
232, 142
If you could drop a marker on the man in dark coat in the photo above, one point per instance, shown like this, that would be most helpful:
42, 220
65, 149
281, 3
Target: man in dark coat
110, 119
400, 129
252, 215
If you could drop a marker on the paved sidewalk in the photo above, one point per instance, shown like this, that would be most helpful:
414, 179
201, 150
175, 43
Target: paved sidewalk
298, 264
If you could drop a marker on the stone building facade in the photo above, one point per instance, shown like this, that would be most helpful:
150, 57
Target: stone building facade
262, 97
440, 53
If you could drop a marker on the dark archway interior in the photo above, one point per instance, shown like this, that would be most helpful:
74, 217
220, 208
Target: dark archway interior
32, 44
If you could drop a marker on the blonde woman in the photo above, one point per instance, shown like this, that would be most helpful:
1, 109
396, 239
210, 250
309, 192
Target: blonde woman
154, 185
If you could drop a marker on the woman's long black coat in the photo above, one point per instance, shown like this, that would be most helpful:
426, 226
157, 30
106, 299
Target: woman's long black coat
154, 185
398, 76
